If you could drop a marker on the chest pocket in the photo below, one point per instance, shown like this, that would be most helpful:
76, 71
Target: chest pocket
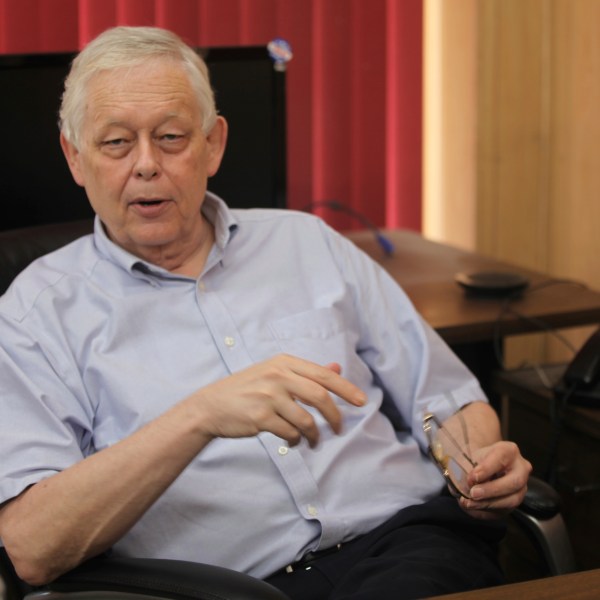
321, 335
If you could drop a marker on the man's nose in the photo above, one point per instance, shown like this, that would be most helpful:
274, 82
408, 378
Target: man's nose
147, 164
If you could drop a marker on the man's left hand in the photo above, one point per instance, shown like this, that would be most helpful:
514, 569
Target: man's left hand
499, 481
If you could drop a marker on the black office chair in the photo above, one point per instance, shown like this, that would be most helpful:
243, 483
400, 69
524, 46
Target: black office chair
540, 518
109, 578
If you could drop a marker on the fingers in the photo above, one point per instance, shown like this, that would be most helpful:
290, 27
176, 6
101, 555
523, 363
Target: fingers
270, 397
312, 385
328, 377
495, 459
292, 430
499, 481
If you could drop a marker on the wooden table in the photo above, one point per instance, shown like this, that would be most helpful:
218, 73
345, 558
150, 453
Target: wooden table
584, 585
426, 271
476, 326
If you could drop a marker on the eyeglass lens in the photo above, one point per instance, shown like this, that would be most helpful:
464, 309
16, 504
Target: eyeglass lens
451, 457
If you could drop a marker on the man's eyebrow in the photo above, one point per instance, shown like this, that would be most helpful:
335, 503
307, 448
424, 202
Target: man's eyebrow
112, 123
172, 116
116, 124
126, 125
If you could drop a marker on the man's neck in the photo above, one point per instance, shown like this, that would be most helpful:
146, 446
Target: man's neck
193, 264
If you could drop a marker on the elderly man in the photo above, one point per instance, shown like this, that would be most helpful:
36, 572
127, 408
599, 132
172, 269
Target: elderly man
242, 388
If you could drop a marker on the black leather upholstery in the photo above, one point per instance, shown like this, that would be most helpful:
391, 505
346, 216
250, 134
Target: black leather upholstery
19, 247
164, 579
542, 501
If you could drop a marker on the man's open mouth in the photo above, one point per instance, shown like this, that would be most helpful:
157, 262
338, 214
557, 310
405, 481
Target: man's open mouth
148, 202
150, 207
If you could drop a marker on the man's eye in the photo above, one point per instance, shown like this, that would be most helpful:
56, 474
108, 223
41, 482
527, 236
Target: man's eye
171, 137
114, 143
115, 147
172, 142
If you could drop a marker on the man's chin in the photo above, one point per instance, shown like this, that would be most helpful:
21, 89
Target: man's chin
144, 238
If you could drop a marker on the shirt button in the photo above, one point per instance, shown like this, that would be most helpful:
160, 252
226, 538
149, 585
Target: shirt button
283, 450
229, 342
202, 286
312, 510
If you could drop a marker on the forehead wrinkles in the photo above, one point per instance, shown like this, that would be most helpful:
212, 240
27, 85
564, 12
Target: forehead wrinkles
142, 88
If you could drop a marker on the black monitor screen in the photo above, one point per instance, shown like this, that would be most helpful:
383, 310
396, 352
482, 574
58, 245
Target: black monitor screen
36, 186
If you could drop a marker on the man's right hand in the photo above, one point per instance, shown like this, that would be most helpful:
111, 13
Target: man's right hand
83, 510
269, 397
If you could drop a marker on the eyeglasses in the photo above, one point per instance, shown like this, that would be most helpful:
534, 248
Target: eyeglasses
451, 458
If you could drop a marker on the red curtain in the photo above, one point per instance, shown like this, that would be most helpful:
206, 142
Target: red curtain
354, 84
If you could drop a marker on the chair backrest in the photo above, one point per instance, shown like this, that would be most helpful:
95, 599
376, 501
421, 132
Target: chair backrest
19, 247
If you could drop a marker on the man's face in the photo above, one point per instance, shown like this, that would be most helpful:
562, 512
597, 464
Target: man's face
144, 160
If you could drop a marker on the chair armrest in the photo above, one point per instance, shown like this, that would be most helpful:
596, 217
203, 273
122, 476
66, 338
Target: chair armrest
541, 500
540, 518
164, 579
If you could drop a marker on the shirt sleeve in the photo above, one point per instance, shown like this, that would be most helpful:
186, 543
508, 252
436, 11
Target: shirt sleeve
44, 427
410, 362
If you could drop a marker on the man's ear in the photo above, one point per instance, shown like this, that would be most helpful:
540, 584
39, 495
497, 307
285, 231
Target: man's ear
73, 159
216, 140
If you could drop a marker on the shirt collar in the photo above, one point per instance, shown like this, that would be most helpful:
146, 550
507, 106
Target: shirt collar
213, 208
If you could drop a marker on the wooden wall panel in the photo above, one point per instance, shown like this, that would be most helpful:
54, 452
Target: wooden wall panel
449, 129
538, 178
575, 157
574, 205
512, 131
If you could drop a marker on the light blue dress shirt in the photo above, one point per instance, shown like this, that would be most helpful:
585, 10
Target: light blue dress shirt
94, 343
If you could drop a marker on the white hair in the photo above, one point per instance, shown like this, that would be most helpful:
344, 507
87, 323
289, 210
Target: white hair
126, 47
